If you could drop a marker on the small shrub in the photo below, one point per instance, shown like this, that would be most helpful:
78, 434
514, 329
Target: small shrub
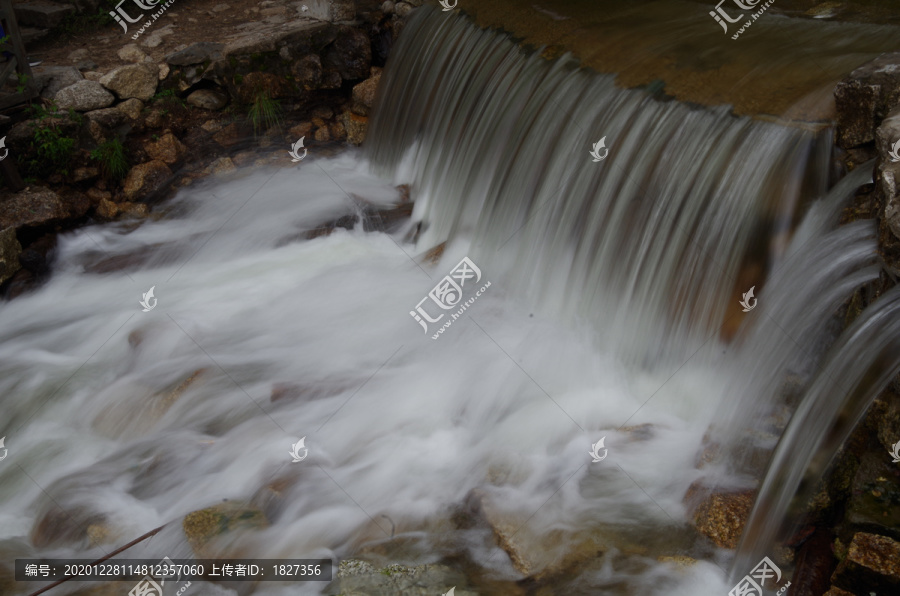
111, 158
264, 112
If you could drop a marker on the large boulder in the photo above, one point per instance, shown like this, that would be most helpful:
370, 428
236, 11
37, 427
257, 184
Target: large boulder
10, 249
84, 96
207, 99
145, 179
38, 206
196, 53
350, 54
864, 98
364, 93
133, 80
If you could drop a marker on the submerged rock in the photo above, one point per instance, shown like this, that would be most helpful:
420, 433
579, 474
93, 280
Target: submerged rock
146, 178
360, 578
203, 526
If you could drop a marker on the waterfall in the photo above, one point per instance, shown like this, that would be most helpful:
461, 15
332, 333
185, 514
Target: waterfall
646, 245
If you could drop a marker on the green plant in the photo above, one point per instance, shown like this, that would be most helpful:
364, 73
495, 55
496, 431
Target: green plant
264, 112
154, 137
111, 155
163, 94
52, 149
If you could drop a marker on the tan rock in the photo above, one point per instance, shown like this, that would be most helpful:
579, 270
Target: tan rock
201, 528
131, 108
719, 514
364, 95
10, 249
337, 130
304, 129
131, 53
133, 80
107, 209
220, 165
228, 136
355, 126
146, 178
211, 126
96, 195
168, 149
322, 134
85, 173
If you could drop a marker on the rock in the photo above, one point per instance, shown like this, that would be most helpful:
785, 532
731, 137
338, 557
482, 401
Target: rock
350, 54
228, 136
154, 119
343, 10
96, 195
220, 7
401, 9
168, 149
131, 108
208, 99
84, 96
133, 80
364, 95
38, 13
108, 117
304, 129
99, 133
387, 7
131, 53
864, 99
537, 555
220, 165
10, 249
82, 174
35, 206
887, 173
163, 71
50, 79
202, 527
872, 565
874, 503
323, 135
86, 66
337, 131
322, 112
837, 592
307, 71
78, 55
211, 126
261, 82
196, 53
719, 514
354, 577
55, 527
146, 178
109, 210
93, 76
356, 127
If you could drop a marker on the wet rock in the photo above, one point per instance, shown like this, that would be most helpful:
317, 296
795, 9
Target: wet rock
837, 592
50, 79
84, 96
108, 117
358, 578
219, 166
887, 174
131, 108
307, 71
168, 149
208, 99
350, 54
131, 53
145, 179
265, 83
337, 131
387, 7
96, 195
535, 555
304, 129
133, 80
10, 249
874, 503
355, 126
84, 173
55, 527
719, 514
864, 98
36, 206
202, 527
228, 136
364, 94
155, 119
872, 564
402, 9
110, 211
163, 71
196, 53
322, 135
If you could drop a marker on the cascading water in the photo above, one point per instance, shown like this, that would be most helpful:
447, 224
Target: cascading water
125, 420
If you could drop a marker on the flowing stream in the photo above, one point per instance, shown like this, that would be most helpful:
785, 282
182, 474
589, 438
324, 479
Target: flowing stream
610, 285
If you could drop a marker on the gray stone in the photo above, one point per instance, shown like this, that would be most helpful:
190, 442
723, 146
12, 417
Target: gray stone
50, 79
42, 14
865, 97
131, 53
84, 96
10, 249
131, 108
78, 55
86, 65
108, 117
196, 54
401, 9
31, 207
133, 80
207, 99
